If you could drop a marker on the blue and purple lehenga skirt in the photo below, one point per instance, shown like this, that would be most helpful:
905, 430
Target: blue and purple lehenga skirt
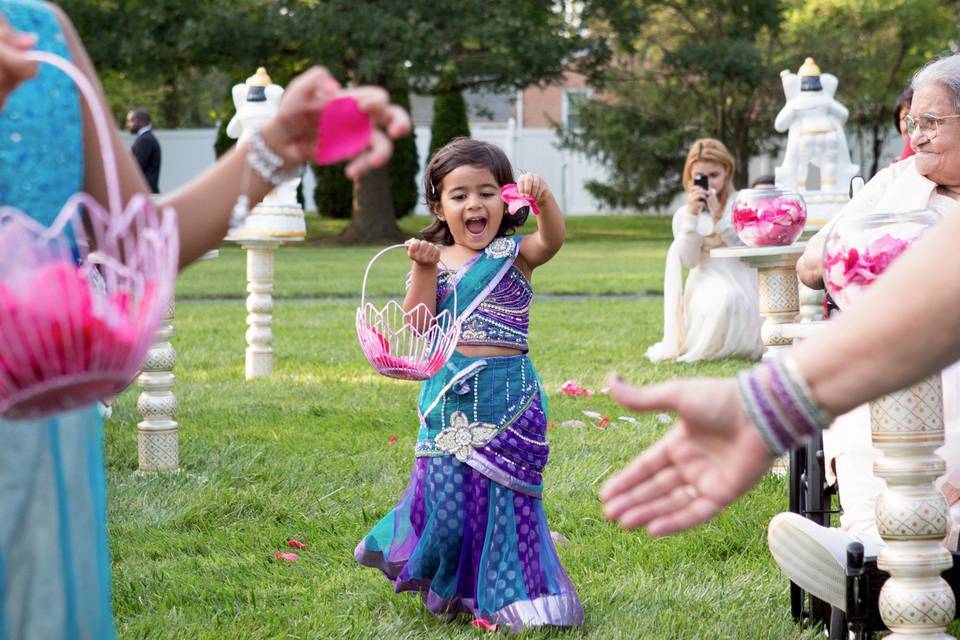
469, 532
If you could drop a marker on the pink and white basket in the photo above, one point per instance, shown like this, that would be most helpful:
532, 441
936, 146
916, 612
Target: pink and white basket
391, 341
71, 332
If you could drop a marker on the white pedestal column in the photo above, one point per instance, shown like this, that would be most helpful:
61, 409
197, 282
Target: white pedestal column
907, 426
259, 354
777, 288
158, 446
158, 436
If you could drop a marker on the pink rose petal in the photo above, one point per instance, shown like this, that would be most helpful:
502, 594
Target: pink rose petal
480, 623
343, 131
289, 557
296, 544
511, 195
392, 441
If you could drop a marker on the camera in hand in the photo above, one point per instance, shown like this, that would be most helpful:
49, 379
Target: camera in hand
701, 181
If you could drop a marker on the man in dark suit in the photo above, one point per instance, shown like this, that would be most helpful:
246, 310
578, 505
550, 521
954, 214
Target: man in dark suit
145, 147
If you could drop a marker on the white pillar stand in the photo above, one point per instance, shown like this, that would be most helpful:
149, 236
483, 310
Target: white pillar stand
907, 426
777, 288
259, 355
158, 446
779, 300
158, 437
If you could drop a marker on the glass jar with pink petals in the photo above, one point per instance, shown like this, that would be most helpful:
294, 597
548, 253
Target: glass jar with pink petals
859, 248
773, 216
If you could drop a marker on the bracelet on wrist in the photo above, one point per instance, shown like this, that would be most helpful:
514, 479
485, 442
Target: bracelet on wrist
780, 404
267, 163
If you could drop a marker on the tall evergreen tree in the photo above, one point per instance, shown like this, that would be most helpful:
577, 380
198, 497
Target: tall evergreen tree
404, 164
449, 119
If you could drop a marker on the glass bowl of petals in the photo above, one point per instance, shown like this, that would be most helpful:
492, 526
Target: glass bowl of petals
860, 247
767, 217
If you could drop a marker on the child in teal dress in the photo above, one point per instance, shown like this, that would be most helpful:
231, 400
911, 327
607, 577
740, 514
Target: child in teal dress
469, 533
54, 557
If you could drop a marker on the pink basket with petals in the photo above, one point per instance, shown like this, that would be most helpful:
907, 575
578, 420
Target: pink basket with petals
74, 331
392, 342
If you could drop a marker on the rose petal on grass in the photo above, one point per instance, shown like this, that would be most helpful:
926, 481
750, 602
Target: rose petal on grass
480, 623
602, 424
289, 557
392, 441
296, 544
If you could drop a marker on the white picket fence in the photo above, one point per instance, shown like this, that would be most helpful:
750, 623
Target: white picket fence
187, 152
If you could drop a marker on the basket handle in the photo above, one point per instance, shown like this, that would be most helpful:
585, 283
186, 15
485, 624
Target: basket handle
99, 121
363, 287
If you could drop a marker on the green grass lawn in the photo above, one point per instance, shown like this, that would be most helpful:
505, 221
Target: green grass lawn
602, 255
306, 454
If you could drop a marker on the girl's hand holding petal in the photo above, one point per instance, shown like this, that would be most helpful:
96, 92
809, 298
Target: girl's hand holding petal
425, 254
530, 184
14, 67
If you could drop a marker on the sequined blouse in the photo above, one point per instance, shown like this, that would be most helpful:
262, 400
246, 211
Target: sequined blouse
503, 318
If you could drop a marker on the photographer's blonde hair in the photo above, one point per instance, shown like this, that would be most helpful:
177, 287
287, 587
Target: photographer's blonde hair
711, 150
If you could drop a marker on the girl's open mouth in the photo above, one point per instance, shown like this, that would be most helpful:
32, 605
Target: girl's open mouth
476, 226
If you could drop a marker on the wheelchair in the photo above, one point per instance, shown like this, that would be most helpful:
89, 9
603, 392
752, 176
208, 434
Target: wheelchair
814, 499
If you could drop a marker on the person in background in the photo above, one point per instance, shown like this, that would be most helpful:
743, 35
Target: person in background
900, 111
766, 181
145, 147
714, 314
54, 552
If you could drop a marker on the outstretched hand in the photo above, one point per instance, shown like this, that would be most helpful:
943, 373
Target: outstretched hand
14, 67
293, 132
709, 458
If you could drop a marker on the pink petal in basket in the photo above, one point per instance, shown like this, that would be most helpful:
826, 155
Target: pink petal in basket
343, 131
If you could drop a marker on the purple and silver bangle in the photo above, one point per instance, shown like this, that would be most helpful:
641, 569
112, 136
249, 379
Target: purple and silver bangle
780, 404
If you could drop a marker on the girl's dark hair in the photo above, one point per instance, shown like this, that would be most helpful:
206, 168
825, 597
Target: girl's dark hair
903, 100
457, 153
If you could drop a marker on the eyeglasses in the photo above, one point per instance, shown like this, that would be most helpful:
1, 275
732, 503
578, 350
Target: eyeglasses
928, 124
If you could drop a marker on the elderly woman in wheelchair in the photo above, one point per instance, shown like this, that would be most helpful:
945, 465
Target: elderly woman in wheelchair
814, 556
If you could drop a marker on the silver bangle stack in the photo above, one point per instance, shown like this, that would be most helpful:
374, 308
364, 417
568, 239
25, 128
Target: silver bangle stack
780, 404
267, 163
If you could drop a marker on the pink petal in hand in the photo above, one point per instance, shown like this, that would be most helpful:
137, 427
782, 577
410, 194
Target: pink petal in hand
343, 131
511, 195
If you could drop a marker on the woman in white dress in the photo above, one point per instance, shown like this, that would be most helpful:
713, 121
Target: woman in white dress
715, 314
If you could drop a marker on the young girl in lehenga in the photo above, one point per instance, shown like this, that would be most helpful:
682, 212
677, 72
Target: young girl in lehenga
469, 532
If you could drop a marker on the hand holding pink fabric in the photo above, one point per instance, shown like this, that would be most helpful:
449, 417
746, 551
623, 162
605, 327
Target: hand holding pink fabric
511, 195
343, 132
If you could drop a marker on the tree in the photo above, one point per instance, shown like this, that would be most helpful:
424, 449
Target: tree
435, 47
874, 47
449, 119
441, 48
183, 55
691, 68
404, 165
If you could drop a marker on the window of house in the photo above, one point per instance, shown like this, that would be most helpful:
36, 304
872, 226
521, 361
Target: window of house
573, 102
